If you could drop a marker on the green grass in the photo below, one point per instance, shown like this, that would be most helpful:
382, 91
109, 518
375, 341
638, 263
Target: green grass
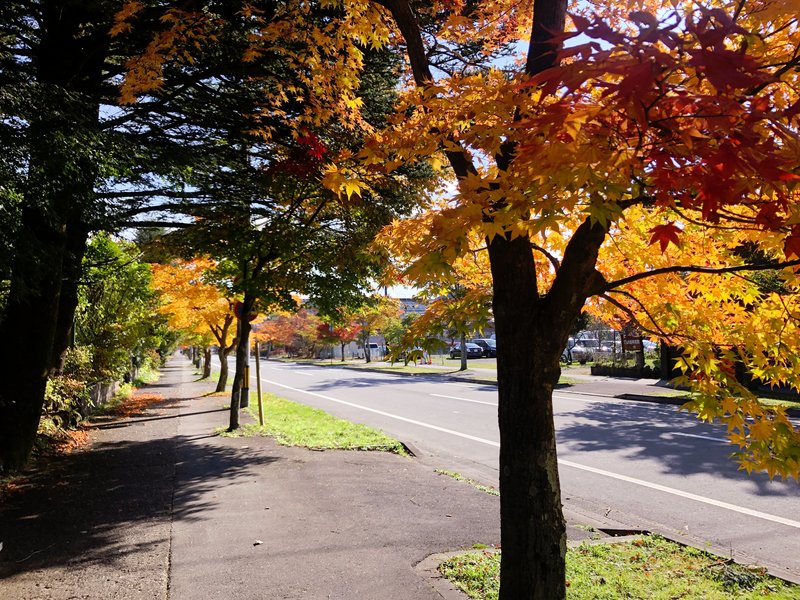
472, 363
478, 486
293, 424
778, 402
146, 375
399, 367
651, 568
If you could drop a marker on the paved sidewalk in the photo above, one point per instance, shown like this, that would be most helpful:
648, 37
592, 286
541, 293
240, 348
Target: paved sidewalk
159, 507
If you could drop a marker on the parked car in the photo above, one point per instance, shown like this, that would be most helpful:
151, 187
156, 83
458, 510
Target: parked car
488, 346
580, 350
473, 351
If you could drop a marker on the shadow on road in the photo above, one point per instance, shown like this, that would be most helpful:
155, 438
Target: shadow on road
650, 432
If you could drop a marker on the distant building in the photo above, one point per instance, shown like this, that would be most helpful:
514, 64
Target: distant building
410, 305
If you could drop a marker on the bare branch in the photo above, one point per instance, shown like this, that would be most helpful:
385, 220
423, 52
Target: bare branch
553, 260
697, 269
167, 224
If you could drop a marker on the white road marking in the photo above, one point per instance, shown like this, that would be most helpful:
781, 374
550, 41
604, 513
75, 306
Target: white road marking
464, 399
302, 373
682, 494
654, 486
386, 414
699, 437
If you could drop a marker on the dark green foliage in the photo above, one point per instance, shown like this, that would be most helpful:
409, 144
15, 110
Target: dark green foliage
66, 402
74, 162
117, 319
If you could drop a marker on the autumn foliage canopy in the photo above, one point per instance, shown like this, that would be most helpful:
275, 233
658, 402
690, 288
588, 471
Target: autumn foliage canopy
675, 128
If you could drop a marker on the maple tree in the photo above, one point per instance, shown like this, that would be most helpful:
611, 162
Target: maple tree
596, 170
277, 329
197, 306
332, 333
296, 331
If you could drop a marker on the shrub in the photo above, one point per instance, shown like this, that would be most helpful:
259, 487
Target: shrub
66, 402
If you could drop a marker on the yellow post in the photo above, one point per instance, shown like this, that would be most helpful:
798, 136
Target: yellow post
258, 385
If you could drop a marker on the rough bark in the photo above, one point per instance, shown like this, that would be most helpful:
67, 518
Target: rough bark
77, 234
30, 315
463, 345
532, 525
207, 362
239, 394
220, 333
223, 369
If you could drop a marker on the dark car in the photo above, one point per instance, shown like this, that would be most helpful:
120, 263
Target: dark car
473, 351
489, 346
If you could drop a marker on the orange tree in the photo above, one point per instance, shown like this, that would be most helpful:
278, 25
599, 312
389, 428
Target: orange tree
295, 331
596, 171
374, 313
197, 306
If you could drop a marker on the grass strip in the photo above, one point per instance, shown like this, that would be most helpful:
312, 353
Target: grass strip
778, 402
478, 486
293, 424
650, 568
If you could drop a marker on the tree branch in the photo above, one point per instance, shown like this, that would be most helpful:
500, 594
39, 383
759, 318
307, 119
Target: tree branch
658, 332
138, 224
697, 269
553, 260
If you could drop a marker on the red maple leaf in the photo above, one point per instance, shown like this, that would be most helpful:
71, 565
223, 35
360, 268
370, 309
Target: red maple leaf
791, 245
664, 234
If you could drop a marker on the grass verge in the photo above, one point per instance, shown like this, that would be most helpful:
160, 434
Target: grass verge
478, 486
778, 402
293, 424
650, 568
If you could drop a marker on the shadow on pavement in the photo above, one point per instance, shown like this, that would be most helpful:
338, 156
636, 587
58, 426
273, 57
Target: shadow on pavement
79, 509
99, 424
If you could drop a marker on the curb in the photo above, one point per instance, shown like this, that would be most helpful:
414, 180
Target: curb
428, 568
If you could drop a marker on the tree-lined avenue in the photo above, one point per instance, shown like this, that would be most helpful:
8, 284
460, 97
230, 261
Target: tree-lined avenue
633, 465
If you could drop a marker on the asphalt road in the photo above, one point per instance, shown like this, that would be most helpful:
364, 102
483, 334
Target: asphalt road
630, 464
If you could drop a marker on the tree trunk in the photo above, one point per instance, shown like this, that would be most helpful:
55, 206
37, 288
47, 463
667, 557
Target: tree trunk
367, 354
197, 356
463, 343
62, 172
241, 384
30, 317
207, 362
533, 530
223, 369
77, 234
342, 351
